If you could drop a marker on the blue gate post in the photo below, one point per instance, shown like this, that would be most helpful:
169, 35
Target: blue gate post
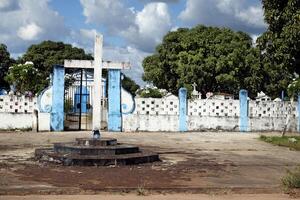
298, 107
244, 123
58, 89
182, 109
114, 100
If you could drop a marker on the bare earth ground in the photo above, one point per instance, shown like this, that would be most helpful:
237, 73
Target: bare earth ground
194, 166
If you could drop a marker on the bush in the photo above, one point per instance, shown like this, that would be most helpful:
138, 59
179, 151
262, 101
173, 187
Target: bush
292, 179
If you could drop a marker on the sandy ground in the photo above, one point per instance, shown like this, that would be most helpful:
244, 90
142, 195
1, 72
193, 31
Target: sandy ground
154, 197
212, 163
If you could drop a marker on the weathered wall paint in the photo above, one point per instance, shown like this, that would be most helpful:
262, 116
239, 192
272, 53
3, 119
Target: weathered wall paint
114, 100
57, 112
16, 120
243, 95
132, 122
182, 109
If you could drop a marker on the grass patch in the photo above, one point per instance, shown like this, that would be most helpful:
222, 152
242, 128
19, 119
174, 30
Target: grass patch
293, 142
292, 179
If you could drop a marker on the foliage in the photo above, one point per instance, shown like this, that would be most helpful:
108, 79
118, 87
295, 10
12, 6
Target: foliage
5, 63
216, 59
129, 85
45, 55
293, 142
292, 179
25, 77
280, 44
150, 93
294, 88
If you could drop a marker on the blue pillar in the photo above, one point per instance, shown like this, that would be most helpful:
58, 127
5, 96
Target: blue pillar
58, 89
114, 100
182, 109
298, 107
243, 96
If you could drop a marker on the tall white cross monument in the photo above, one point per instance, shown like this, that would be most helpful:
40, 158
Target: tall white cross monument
97, 64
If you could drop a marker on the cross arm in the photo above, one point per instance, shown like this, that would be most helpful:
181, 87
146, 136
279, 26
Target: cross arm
89, 64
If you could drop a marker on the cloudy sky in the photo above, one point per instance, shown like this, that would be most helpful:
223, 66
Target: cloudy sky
131, 28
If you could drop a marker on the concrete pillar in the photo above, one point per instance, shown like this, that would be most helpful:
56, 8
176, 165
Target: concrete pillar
114, 100
244, 120
298, 110
182, 109
57, 112
97, 83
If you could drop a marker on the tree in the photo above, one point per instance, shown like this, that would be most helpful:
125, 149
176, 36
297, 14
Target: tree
21, 75
5, 63
280, 44
150, 93
44, 56
129, 85
216, 59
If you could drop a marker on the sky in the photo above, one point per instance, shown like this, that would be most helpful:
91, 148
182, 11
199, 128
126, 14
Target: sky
131, 28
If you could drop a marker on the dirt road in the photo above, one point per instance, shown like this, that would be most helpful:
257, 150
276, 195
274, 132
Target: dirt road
154, 197
207, 163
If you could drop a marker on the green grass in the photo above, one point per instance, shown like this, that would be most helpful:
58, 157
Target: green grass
293, 142
292, 179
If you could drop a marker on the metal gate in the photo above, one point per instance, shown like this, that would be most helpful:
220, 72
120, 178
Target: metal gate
78, 99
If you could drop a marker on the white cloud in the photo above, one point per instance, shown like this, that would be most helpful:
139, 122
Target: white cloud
30, 32
112, 15
8, 5
151, 24
239, 15
143, 29
128, 54
28, 21
253, 16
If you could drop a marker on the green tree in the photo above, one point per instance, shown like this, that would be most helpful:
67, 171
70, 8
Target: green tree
21, 75
5, 63
280, 44
150, 93
44, 56
129, 85
216, 59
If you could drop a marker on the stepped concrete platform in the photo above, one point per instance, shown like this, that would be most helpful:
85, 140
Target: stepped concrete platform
100, 152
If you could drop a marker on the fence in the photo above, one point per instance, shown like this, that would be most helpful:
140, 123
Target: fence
204, 114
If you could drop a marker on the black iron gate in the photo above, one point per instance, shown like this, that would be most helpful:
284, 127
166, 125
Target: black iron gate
78, 99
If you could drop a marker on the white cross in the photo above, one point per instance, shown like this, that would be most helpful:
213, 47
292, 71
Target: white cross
194, 86
97, 64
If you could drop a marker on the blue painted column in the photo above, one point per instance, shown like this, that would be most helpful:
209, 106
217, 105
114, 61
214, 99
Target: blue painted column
244, 120
114, 100
58, 89
298, 110
182, 109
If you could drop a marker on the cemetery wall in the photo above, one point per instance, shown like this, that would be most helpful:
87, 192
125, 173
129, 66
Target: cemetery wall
210, 114
17, 112
151, 114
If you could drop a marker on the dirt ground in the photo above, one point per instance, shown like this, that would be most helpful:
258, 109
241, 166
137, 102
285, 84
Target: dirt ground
194, 165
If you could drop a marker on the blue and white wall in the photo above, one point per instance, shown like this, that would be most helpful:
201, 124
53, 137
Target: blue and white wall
176, 114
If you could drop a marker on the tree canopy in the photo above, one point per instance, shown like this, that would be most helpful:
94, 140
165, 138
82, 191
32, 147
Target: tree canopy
5, 63
280, 44
216, 59
44, 56
129, 85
